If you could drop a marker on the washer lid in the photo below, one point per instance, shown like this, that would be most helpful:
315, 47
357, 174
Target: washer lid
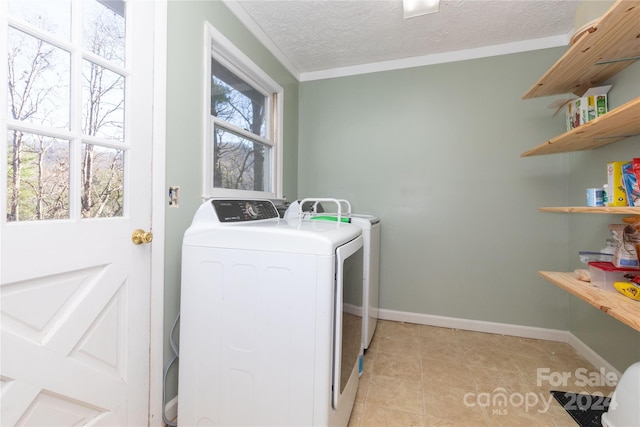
271, 234
365, 218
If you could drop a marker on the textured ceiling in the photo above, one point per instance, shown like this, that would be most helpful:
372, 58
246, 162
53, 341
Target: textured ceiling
316, 35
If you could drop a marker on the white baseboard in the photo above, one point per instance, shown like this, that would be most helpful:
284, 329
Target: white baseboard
503, 329
593, 357
171, 409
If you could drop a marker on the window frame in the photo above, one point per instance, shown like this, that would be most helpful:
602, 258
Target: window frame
220, 48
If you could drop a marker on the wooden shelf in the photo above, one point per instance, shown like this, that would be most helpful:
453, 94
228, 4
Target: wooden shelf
625, 210
613, 38
617, 124
604, 50
614, 304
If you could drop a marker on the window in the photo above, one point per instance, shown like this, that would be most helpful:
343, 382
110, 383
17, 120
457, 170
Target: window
66, 147
243, 146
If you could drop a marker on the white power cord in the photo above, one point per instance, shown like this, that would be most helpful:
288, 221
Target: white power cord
167, 366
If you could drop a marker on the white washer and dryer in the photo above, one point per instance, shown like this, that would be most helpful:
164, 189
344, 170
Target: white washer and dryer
371, 240
268, 334
316, 208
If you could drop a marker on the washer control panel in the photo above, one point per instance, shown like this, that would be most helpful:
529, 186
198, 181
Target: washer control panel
242, 210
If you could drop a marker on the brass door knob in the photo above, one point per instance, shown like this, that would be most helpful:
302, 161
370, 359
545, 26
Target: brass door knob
140, 236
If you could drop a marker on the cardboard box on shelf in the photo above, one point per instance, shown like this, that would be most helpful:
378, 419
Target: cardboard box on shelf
569, 115
631, 179
616, 194
591, 105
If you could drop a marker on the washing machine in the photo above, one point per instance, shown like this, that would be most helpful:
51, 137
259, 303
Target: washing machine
270, 328
371, 239
316, 208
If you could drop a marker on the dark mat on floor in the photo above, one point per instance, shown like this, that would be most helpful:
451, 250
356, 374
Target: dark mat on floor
585, 409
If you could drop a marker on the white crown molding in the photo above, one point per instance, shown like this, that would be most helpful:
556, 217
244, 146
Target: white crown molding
439, 58
250, 24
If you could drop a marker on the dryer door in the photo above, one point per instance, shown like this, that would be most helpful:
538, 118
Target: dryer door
347, 338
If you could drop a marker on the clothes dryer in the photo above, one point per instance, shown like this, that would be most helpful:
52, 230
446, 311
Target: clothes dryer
311, 208
268, 332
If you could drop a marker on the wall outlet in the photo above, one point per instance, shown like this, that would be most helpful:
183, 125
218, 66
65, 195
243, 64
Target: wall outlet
174, 196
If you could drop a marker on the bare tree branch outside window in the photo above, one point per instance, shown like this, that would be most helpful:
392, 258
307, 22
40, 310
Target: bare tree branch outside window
239, 159
39, 80
38, 92
102, 169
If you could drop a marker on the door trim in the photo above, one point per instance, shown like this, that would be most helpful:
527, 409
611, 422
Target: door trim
156, 314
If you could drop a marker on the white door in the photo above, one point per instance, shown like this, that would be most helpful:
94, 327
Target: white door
76, 123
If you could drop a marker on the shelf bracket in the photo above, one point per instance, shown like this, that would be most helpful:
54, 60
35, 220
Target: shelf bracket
613, 61
616, 136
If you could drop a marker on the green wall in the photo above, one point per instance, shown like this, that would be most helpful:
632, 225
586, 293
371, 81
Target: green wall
435, 152
185, 88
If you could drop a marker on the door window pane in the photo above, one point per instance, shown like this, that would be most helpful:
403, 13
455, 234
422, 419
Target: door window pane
104, 27
48, 15
102, 102
37, 177
38, 81
236, 102
239, 163
102, 186
41, 86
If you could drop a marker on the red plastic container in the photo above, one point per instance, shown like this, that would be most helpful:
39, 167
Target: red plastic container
604, 274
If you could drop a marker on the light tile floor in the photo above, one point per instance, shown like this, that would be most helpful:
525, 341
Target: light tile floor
417, 375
